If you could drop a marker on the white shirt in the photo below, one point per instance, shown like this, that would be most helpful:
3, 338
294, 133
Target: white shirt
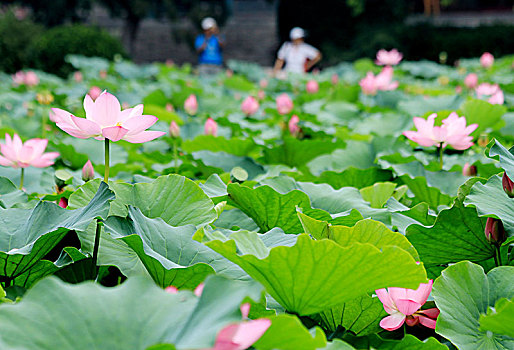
295, 56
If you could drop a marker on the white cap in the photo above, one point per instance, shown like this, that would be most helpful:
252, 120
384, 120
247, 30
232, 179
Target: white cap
296, 33
208, 23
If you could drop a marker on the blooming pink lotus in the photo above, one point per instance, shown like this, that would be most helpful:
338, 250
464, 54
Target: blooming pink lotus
388, 58
492, 92
211, 127
471, 81
294, 129
382, 81
403, 305
486, 60
25, 78
453, 132
284, 104
191, 105
249, 105
105, 120
17, 154
95, 92
312, 86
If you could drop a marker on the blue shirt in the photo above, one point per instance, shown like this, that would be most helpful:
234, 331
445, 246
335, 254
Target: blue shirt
212, 53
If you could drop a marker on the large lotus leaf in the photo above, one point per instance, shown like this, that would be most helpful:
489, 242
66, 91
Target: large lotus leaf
403, 216
462, 293
323, 196
505, 156
10, 194
312, 276
383, 124
419, 105
500, 319
458, 234
227, 162
135, 315
409, 342
360, 316
353, 177
378, 194
364, 231
357, 154
175, 199
169, 253
27, 235
238, 147
268, 208
288, 333
37, 180
214, 187
296, 153
123, 192
483, 113
490, 199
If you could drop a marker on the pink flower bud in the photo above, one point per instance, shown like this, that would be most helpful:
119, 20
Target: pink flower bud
469, 170
458, 89
294, 129
63, 202
169, 107
250, 105
211, 127
174, 130
78, 77
261, 94
494, 231
471, 81
508, 185
486, 60
312, 86
191, 105
263, 83
94, 92
88, 172
171, 290
334, 79
31, 79
284, 104
102, 74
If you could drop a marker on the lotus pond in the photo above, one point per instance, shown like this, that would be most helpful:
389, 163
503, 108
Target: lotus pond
358, 208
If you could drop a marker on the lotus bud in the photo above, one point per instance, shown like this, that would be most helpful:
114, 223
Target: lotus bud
486, 60
284, 104
169, 107
508, 185
471, 81
94, 92
494, 231
334, 79
261, 94
263, 83
294, 129
250, 105
174, 130
211, 127
171, 290
88, 173
312, 86
469, 170
78, 77
63, 202
102, 74
31, 79
191, 105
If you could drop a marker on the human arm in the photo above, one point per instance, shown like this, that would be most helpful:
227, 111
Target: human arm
313, 61
279, 63
200, 44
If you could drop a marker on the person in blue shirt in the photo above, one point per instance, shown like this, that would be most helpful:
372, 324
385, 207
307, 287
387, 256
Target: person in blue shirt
209, 47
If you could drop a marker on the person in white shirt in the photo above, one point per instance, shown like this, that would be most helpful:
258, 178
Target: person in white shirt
298, 56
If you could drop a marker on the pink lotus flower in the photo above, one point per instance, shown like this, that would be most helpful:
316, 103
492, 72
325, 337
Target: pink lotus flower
88, 172
25, 78
388, 58
95, 92
261, 94
63, 202
174, 129
250, 105
191, 105
492, 91
494, 231
312, 86
334, 79
453, 132
486, 60
174, 290
17, 154
211, 127
294, 129
371, 83
78, 77
284, 104
469, 170
403, 305
169, 107
471, 80
105, 120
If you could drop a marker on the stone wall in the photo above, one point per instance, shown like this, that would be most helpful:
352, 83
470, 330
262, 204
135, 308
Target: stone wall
251, 35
